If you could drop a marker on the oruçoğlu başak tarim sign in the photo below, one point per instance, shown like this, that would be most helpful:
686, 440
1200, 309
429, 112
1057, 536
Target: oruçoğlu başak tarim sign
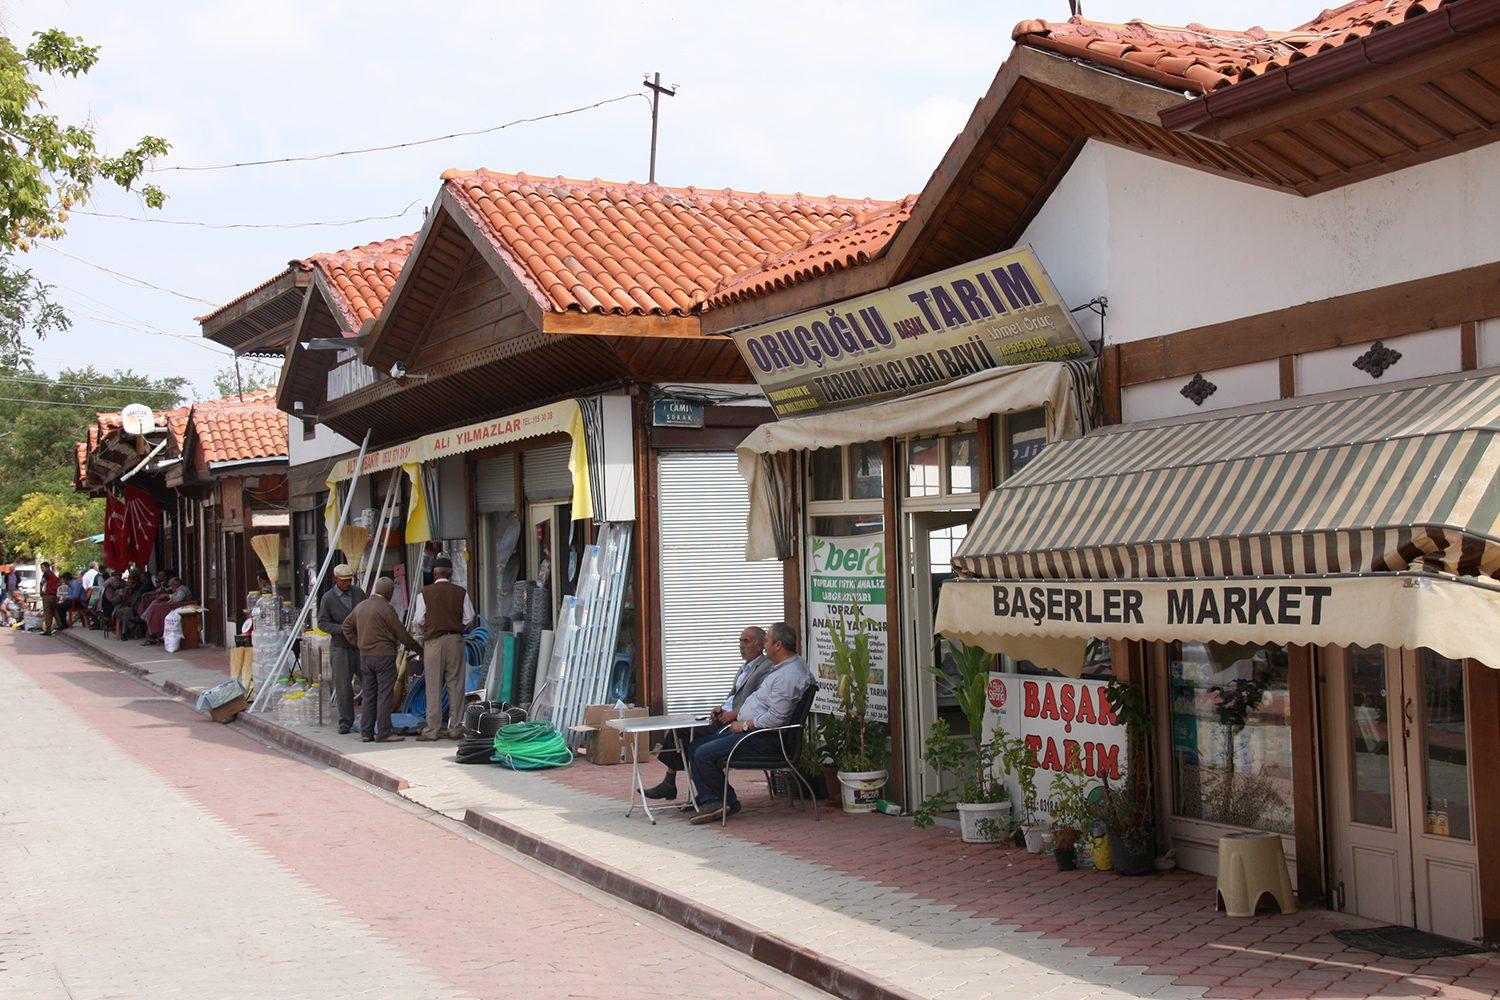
1002, 310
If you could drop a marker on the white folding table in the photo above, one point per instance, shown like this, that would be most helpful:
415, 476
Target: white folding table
631, 728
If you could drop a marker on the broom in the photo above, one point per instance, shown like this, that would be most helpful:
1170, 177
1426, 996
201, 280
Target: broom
268, 548
352, 542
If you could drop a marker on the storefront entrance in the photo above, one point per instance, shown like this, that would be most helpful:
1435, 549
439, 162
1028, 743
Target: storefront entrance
934, 536
1399, 789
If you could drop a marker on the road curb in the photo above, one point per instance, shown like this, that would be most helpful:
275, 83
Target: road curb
293, 741
814, 968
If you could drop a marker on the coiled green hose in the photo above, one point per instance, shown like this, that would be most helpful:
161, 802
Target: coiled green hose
531, 746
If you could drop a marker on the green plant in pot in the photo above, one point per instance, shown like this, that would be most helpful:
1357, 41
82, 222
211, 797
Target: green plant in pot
1072, 813
982, 796
864, 743
1125, 809
1020, 760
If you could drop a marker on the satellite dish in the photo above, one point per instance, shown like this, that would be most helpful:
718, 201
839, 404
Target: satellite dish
138, 419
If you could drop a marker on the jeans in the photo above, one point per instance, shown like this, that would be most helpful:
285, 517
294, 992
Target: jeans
706, 759
377, 688
690, 739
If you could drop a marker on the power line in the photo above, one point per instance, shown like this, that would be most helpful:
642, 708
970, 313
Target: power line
58, 402
403, 145
249, 225
125, 277
80, 385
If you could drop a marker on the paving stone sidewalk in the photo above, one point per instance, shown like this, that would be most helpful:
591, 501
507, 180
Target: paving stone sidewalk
917, 909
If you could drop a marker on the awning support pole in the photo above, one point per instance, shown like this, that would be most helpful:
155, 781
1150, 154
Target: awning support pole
312, 594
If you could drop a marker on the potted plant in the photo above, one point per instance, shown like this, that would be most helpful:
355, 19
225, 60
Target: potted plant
1071, 813
830, 733
862, 753
1019, 759
1125, 809
982, 797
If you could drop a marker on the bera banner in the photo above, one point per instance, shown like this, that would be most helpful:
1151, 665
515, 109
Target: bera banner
1002, 310
846, 587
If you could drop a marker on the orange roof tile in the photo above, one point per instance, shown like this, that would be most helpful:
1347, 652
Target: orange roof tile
1201, 59
850, 245
362, 277
630, 249
240, 427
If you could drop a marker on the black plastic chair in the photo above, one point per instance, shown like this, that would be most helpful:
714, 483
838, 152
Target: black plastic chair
789, 739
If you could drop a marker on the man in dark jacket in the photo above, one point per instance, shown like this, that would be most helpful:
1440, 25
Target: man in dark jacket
338, 604
376, 629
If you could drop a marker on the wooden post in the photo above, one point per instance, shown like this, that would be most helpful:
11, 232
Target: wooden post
648, 672
1484, 746
893, 637
1307, 813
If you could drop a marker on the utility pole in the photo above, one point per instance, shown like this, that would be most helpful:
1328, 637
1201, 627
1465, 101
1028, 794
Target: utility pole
653, 83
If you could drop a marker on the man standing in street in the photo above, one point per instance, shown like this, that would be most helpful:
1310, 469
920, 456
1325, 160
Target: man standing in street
442, 614
48, 590
376, 629
753, 670
340, 601
772, 705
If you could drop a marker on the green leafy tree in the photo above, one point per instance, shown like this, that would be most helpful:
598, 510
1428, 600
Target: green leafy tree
250, 378
46, 167
56, 526
43, 417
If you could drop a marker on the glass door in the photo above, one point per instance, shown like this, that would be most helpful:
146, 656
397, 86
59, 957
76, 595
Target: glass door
934, 537
1400, 789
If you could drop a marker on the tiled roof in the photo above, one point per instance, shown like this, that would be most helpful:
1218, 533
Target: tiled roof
632, 249
858, 242
1202, 59
362, 277
240, 427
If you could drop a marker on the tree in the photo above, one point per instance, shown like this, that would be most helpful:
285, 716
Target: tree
46, 167
250, 378
44, 417
56, 526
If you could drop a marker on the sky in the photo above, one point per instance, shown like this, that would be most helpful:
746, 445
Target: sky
853, 99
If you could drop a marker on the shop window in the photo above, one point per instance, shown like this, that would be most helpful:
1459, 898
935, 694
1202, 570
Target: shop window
924, 468
828, 474
963, 463
1025, 435
1369, 738
1231, 734
1445, 749
866, 471
849, 524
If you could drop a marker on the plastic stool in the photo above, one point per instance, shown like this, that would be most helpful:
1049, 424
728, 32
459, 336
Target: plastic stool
1250, 866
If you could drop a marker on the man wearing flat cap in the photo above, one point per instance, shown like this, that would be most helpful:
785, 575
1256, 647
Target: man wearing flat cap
441, 616
336, 605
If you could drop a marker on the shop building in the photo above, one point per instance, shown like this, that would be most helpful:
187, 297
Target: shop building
1282, 253
535, 381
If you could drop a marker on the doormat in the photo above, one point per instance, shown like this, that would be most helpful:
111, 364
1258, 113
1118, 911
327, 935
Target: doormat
1406, 942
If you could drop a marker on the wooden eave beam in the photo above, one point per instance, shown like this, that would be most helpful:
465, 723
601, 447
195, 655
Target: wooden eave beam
292, 279
609, 325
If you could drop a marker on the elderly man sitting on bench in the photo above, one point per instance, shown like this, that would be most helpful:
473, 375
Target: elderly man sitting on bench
771, 705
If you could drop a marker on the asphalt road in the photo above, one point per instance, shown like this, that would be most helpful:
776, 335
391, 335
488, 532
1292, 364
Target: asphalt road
147, 852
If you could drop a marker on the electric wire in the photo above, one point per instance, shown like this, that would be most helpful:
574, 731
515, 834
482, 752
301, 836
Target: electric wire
402, 145
408, 210
126, 277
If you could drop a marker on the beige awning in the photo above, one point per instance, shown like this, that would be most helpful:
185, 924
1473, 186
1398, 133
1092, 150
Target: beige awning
1371, 518
1063, 389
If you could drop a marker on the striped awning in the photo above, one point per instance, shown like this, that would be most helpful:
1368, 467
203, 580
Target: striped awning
1398, 486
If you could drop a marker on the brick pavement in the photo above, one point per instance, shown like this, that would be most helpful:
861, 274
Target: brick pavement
149, 852
926, 912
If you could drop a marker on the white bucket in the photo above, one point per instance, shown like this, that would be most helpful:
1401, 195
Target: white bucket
971, 814
861, 790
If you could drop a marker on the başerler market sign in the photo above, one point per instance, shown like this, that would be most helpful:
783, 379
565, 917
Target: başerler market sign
1002, 310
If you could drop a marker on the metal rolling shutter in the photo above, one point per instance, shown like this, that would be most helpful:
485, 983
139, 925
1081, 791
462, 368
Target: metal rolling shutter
495, 483
709, 593
545, 473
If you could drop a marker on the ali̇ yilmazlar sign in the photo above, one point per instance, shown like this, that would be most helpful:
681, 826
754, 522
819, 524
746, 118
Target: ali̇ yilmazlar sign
1002, 310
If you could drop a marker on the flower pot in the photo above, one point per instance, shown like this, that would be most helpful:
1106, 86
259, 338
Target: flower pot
831, 783
1067, 858
972, 814
861, 790
1036, 838
1132, 855
1099, 848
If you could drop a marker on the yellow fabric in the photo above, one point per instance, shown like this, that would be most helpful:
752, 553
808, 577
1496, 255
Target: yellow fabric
578, 466
418, 529
331, 508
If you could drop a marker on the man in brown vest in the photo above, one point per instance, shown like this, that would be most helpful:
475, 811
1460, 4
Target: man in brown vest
443, 613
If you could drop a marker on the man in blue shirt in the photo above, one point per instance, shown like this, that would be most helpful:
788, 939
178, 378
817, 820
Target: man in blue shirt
70, 596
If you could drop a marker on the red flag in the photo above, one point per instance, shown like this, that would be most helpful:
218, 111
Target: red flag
130, 528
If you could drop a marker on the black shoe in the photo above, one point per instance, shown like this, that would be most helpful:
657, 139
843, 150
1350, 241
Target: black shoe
734, 807
367, 737
708, 813
345, 728
666, 789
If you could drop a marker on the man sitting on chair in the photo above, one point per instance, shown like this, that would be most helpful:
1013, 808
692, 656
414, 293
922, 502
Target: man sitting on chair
753, 671
769, 706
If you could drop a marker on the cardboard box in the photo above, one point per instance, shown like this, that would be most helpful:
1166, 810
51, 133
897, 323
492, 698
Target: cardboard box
606, 745
229, 709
